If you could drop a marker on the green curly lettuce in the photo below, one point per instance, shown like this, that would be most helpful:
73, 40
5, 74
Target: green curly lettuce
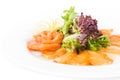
95, 45
68, 19
71, 42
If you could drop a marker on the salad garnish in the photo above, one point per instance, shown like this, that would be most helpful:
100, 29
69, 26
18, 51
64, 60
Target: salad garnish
81, 32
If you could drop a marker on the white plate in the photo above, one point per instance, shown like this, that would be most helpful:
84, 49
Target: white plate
14, 48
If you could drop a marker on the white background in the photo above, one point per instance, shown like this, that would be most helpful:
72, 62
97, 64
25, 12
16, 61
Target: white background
15, 12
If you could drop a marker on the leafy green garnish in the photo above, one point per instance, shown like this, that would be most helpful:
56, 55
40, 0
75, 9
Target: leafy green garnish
103, 41
68, 19
95, 45
71, 42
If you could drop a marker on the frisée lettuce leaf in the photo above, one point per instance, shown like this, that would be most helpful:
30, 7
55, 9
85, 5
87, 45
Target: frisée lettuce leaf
68, 19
